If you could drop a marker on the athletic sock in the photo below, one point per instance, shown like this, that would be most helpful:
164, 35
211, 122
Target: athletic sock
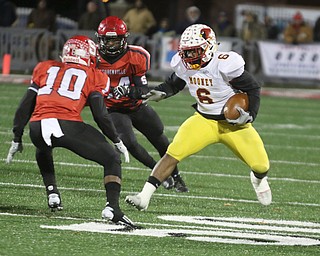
154, 181
260, 175
113, 194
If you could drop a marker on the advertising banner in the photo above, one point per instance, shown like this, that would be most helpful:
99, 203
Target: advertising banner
290, 61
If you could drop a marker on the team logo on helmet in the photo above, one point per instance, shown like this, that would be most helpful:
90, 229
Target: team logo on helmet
197, 46
112, 36
81, 50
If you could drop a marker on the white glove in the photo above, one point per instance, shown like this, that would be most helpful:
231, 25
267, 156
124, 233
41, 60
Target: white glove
154, 95
122, 149
15, 147
120, 91
242, 119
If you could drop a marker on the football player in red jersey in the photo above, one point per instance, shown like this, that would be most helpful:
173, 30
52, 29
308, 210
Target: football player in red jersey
212, 77
53, 104
126, 66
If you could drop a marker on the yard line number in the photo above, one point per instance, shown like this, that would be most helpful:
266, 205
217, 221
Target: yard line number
248, 231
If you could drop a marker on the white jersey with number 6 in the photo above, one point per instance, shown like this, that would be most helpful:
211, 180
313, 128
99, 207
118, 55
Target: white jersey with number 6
210, 84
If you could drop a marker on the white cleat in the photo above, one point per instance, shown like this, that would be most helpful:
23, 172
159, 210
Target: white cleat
262, 189
138, 202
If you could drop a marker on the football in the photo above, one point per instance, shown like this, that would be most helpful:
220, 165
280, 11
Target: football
237, 100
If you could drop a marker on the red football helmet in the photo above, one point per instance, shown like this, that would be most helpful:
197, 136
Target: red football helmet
112, 36
81, 50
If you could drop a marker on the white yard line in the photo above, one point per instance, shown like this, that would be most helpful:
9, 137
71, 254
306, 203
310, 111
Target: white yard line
194, 156
287, 147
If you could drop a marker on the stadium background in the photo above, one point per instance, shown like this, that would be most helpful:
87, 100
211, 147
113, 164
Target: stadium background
27, 47
174, 9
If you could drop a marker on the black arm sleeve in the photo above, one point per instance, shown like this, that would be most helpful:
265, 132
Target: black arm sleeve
24, 112
101, 116
139, 89
248, 84
172, 85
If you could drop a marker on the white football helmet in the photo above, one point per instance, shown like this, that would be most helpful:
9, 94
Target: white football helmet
81, 50
197, 46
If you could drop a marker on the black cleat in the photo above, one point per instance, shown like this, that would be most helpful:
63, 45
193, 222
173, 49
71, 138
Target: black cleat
117, 217
179, 185
168, 183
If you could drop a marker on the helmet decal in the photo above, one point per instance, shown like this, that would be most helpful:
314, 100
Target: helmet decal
112, 36
81, 50
197, 46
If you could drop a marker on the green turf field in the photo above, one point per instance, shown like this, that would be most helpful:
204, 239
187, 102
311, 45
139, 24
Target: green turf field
219, 216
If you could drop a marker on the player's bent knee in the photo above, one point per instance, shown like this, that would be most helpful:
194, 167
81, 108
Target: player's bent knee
260, 168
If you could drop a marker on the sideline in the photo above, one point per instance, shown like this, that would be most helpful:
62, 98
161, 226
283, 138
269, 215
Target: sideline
292, 93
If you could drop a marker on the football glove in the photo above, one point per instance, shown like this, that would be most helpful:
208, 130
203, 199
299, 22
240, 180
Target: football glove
15, 147
122, 149
121, 91
242, 119
154, 95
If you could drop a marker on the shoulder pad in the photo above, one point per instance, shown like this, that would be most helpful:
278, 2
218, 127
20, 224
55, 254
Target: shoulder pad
177, 65
229, 61
175, 60
139, 57
138, 49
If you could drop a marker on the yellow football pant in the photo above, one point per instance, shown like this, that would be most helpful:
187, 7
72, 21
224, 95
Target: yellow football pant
198, 132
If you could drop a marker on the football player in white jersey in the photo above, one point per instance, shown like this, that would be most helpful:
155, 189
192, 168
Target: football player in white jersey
212, 77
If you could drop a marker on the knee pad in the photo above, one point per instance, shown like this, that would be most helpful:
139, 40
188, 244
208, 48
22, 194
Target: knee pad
113, 165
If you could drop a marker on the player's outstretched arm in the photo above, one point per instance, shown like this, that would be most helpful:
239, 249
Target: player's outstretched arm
101, 116
103, 120
21, 118
154, 95
172, 85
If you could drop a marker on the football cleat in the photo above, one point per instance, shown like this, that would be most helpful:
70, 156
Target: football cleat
180, 185
137, 201
168, 183
117, 217
54, 202
262, 189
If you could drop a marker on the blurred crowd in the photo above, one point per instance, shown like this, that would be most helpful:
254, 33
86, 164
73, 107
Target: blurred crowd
140, 20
